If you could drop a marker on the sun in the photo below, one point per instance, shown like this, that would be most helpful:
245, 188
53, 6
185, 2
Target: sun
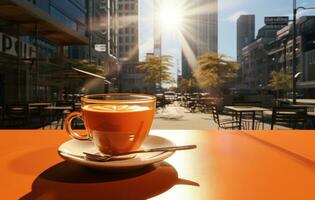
170, 15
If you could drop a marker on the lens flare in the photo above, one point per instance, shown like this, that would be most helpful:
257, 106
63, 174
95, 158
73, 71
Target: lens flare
170, 15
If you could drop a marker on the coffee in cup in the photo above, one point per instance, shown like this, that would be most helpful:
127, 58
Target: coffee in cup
116, 123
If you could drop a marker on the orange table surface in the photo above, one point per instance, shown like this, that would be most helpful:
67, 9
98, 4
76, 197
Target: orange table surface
225, 165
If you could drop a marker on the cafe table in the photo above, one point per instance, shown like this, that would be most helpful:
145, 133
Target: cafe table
60, 112
230, 164
39, 104
240, 110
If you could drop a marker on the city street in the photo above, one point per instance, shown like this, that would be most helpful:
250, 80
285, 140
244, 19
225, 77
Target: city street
176, 117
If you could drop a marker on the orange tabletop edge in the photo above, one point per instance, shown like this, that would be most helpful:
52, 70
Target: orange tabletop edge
226, 165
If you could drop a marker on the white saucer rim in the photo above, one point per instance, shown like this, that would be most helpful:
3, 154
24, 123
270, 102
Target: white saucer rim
130, 163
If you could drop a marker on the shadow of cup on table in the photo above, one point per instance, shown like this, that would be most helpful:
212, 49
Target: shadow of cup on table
67, 180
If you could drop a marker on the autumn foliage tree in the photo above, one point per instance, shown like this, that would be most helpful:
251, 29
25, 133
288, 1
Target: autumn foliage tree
280, 81
214, 69
188, 85
157, 69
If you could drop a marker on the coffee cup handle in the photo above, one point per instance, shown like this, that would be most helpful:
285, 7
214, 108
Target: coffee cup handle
69, 130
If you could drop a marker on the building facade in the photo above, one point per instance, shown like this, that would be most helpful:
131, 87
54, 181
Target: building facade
128, 35
245, 28
131, 79
281, 52
157, 33
256, 65
272, 51
37, 39
201, 35
34, 37
255, 59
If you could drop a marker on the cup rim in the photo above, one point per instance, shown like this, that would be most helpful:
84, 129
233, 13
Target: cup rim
143, 98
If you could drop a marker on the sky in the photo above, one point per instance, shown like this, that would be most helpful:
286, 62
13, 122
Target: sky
229, 11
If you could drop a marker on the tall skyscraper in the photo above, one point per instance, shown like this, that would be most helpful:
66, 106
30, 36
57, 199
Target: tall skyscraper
245, 32
200, 33
128, 49
131, 80
157, 29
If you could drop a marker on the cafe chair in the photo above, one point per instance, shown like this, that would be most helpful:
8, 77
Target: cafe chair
38, 114
223, 123
17, 115
1, 116
311, 119
292, 116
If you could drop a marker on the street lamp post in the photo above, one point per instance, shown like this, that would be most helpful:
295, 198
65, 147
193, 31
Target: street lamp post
294, 53
295, 9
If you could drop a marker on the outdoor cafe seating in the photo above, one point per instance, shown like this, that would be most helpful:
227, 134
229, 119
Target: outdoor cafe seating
295, 117
223, 123
17, 115
251, 115
247, 116
36, 114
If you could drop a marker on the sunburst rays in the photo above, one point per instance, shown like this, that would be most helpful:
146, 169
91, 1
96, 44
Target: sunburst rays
190, 15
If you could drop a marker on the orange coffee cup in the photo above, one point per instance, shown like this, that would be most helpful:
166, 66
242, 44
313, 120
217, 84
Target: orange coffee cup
116, 123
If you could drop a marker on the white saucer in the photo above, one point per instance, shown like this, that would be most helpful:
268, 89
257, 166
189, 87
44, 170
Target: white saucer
76, 147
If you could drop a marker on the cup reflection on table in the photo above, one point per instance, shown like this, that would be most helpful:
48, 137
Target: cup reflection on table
116, 123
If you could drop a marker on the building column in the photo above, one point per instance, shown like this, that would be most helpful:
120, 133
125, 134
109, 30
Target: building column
90, 8
19, 96
36, 64
61, 62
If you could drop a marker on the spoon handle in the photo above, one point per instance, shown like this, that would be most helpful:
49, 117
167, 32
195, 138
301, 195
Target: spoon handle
171, 148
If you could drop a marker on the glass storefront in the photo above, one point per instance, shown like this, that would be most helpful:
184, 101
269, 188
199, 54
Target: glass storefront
70, 12
24, 62
32, 67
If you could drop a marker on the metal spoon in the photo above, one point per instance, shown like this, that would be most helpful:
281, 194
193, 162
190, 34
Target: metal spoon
122, 156
102, 158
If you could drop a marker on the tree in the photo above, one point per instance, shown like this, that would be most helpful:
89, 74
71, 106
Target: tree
280, 81
188, 85
157, 69
214, 69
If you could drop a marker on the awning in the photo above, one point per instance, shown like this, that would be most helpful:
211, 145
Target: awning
27, 15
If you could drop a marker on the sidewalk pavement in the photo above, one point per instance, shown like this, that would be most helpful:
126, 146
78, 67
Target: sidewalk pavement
176, 117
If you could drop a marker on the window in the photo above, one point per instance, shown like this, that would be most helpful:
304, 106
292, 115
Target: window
62, 18
82, 29
43, 5
127, 30
68, 8
127, 39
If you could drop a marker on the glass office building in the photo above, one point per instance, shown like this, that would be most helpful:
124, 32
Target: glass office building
34, 40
